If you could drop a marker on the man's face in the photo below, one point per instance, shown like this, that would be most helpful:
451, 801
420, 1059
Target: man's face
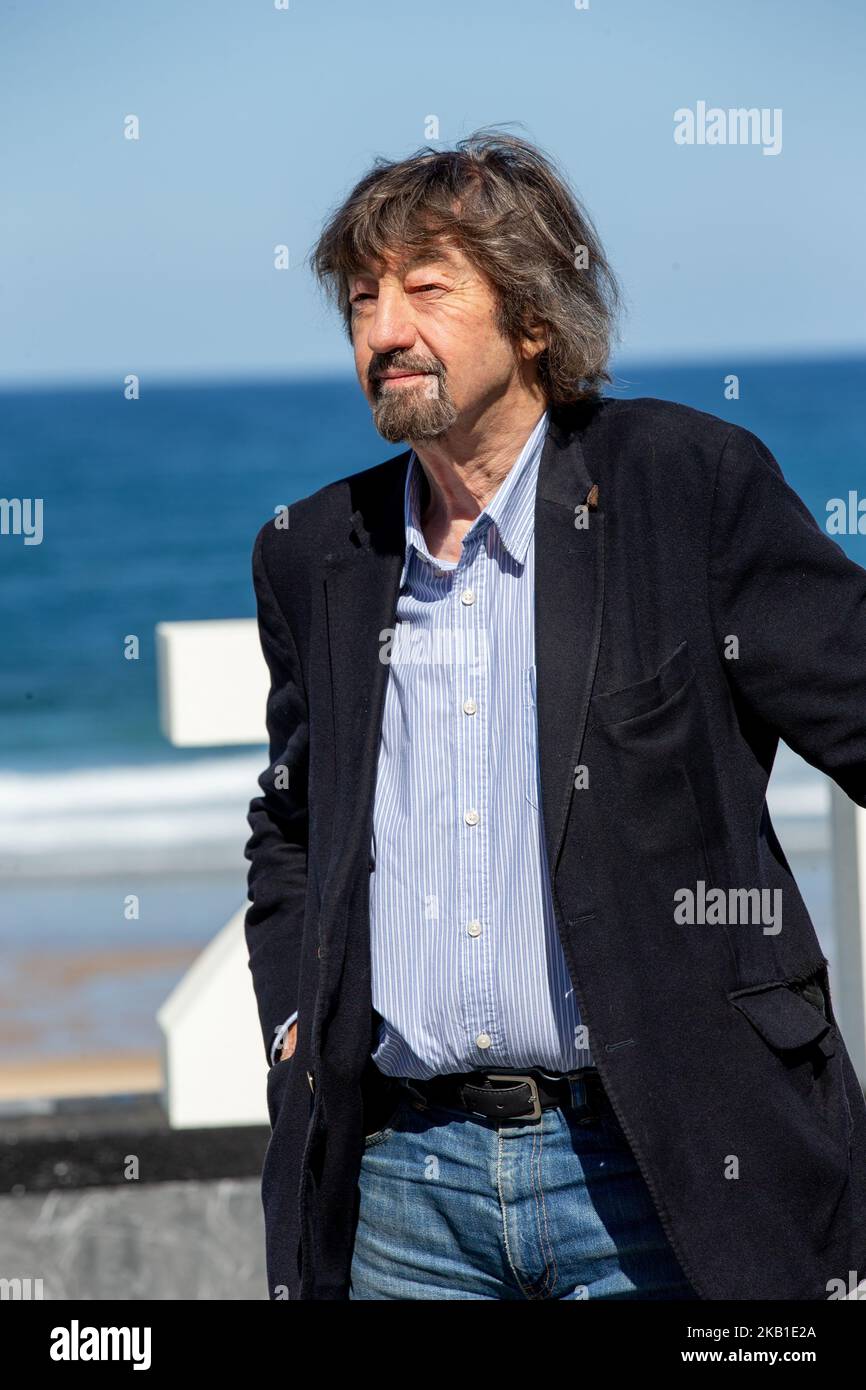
427, 350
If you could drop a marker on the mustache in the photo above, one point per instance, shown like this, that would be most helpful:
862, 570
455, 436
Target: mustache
379, 364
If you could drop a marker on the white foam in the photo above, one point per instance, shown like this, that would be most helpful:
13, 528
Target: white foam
157, 818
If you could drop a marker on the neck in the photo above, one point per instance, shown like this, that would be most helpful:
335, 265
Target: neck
464, 469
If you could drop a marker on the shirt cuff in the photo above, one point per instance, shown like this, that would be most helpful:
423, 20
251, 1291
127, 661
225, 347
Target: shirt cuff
280, 1033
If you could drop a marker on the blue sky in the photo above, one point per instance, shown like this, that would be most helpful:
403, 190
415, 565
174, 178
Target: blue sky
156, 256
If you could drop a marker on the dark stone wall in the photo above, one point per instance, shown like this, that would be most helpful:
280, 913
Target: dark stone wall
101, 1199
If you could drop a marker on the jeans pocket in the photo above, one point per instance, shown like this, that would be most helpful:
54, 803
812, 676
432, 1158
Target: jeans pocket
391, 1125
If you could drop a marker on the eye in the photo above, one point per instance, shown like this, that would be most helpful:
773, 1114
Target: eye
358, 297
422, 289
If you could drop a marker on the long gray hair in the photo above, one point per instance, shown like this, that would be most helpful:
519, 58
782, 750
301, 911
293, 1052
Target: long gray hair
502, 202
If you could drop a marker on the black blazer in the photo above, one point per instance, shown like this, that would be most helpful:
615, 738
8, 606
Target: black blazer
717, 1044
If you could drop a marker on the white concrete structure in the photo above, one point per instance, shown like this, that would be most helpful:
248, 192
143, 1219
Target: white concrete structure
213, 685
213, 1061
848, 832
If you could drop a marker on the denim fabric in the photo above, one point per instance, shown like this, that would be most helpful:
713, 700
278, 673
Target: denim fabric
458, 1206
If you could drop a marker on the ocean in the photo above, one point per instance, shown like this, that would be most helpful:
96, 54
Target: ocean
150, 510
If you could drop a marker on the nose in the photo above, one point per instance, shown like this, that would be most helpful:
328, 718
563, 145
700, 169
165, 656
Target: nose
392, 326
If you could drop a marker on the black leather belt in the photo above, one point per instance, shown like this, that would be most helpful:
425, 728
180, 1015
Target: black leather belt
497, 1095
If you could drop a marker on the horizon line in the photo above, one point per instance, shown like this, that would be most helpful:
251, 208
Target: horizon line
186, 379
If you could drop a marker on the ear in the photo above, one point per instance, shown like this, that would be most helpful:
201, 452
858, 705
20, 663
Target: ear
534, 341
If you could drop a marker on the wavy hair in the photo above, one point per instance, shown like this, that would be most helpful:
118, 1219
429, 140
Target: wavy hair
503, 203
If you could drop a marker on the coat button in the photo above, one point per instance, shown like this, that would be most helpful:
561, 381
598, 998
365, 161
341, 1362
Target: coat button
310, 1079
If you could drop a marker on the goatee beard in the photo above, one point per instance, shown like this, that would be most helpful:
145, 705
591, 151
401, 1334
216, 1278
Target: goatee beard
414, 412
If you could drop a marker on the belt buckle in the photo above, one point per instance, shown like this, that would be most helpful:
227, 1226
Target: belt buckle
535, 1113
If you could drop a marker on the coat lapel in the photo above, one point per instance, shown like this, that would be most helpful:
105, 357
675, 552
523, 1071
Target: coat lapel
569, 588
360, 603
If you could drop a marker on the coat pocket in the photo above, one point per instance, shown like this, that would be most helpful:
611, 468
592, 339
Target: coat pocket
654, 798
648, 748
616, 706
785, 1017
792, 1019
277, 1077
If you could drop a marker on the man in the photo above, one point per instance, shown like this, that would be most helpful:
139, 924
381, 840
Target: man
545, 1011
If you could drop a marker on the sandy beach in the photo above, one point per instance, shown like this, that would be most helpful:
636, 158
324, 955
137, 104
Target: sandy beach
60, 1012
96, 1075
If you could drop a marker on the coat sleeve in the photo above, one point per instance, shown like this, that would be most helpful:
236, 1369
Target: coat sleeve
796, 606
277, 847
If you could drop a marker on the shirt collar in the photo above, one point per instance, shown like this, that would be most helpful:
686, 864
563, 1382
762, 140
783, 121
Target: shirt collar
511, 509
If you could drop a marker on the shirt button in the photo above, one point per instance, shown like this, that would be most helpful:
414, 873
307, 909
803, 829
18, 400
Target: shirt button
483, 1040
471, 817
469, 706
467, 597
474, 928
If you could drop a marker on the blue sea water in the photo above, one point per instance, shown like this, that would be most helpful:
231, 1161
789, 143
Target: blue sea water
150, 511
151, 507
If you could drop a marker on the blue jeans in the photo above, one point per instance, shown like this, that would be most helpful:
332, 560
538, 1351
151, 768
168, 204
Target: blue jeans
458, 1206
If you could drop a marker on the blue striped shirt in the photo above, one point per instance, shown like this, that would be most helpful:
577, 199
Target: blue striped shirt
467, 966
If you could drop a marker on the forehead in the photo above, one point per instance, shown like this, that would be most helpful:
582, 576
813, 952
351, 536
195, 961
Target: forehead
400, 264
